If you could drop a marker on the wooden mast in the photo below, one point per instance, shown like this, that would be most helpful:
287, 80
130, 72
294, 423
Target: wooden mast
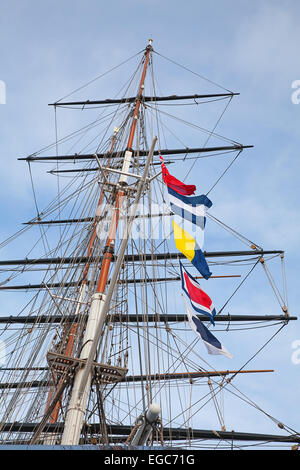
83, 377
94, 233
109, 248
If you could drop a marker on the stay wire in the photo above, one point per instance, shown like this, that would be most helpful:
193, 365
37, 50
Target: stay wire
224, 172
99, 76
234, 232
43, 235
208, 138
241, 283
191, 71
275, 289
57, 167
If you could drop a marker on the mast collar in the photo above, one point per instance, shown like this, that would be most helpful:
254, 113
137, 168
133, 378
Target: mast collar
149, 47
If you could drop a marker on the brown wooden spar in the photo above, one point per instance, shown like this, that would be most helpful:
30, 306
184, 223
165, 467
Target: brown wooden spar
94, 233
109, 248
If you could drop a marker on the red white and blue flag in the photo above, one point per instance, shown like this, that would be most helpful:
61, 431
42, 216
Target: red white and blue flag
197, 301
189, 218
195, 295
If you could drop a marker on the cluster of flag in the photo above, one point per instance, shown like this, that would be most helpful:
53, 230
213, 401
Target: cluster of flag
198, 302
189, 219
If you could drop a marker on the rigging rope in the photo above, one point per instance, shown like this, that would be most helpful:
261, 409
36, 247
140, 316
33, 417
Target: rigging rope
191, 71
99, 76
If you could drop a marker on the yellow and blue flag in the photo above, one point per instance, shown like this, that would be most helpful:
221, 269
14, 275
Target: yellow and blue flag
187, 245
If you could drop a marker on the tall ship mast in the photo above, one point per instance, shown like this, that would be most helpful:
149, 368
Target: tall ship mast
120, 310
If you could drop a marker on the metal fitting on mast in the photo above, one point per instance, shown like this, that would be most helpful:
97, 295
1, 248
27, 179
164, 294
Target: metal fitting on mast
148, 422
149, 47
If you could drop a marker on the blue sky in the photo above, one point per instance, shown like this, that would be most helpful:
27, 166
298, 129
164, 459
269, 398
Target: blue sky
50, 48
